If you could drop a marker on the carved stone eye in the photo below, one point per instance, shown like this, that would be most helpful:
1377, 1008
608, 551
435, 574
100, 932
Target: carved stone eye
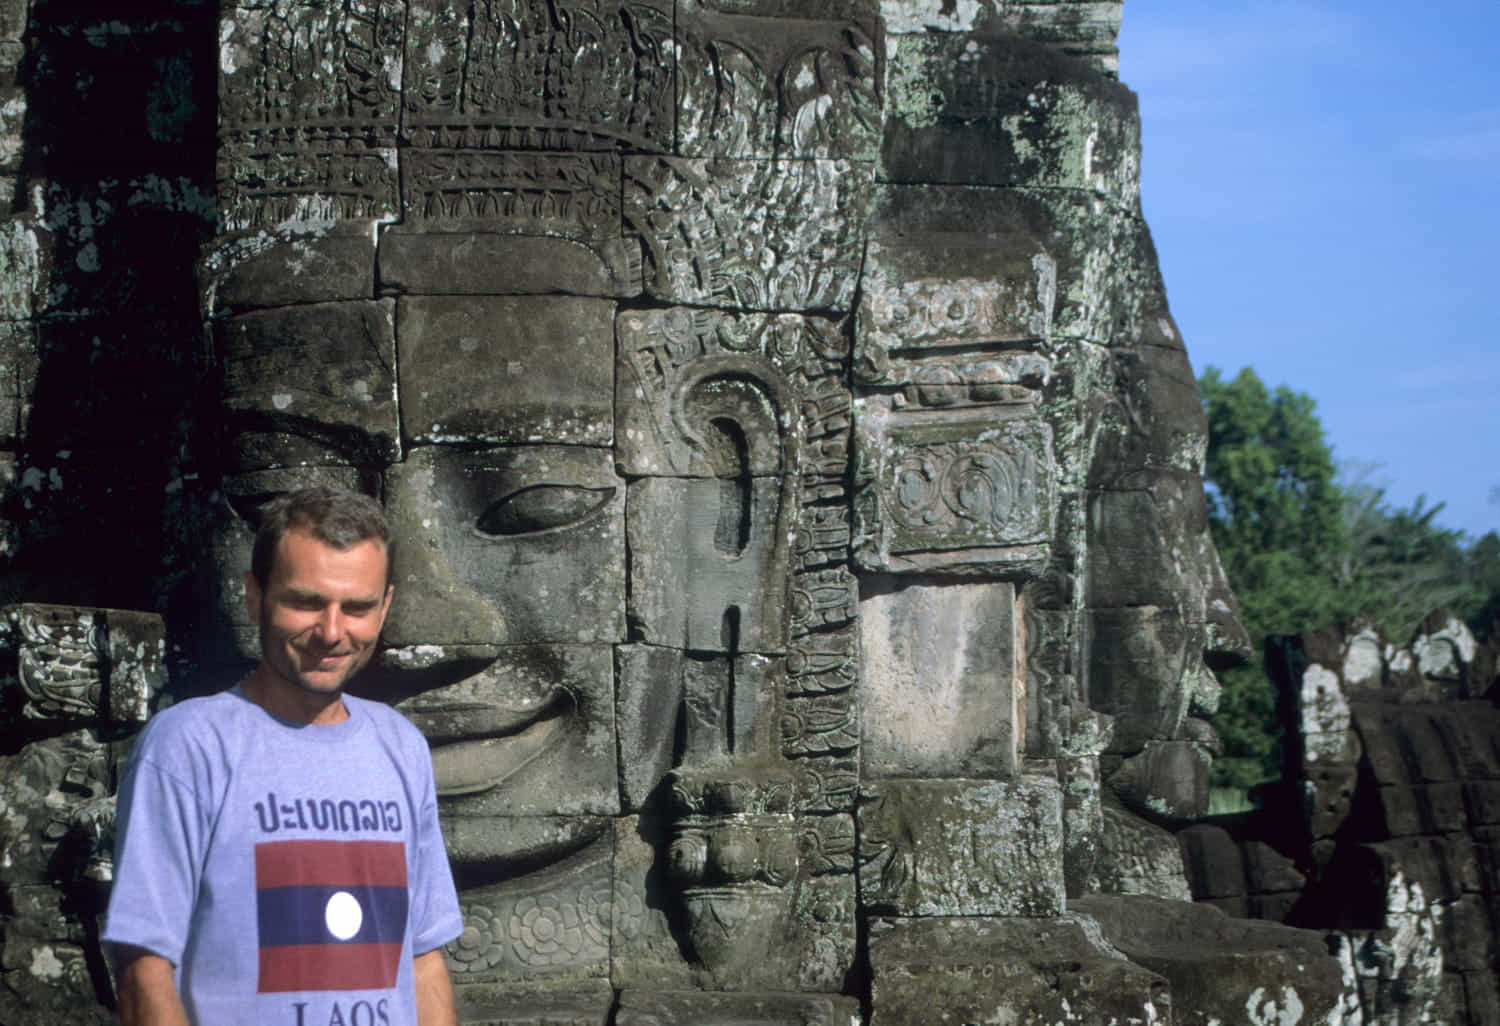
540, 508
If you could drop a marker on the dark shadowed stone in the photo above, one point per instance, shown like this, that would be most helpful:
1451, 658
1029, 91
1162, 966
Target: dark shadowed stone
1221, 969
1167, 781
1139, 857
279, 267
488, 263
325, 370
507, 369
991, 970
939, 680
973, 109
18, 369
961, 847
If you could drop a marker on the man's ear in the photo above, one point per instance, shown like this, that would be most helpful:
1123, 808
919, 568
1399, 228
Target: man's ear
385, 606
253, 598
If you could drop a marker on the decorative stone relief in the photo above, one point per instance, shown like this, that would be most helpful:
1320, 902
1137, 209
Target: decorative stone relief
961, 847
309, 101
968, 491
734, 232
539, 75
750, 88
95, 665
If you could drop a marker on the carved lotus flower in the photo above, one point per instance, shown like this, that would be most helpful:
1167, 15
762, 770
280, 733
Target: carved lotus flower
543, 933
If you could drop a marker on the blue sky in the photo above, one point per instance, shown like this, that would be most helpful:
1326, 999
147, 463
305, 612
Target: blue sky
1321, 179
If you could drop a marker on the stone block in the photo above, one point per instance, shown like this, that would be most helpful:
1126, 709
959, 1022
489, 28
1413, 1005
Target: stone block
1468, 730
961, 847
688, 1008
954, 313
965, 491
1167, 780
1222, 969
525, 730
285, 266
807, 942
1467, 936
708, 563
551, 926
982, 970
579, 1003
1332, 797
1139, 857
1482, 799
507, 369
326, 369
511, 545
1084, 28
1268, 871
82, 663
998, 110
1130, 647
758, 235
1482, 997
752, 85
19, 363
1104, 303
434, 262
675, 709
59, 795
940, 679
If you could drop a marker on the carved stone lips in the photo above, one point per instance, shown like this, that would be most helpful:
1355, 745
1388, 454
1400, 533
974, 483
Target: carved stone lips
487, 726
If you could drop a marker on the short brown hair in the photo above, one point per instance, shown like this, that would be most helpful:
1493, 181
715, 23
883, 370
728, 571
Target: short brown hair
334, 516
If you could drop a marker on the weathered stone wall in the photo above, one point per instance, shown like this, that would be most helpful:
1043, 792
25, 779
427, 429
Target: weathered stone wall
1384, 832
805, 583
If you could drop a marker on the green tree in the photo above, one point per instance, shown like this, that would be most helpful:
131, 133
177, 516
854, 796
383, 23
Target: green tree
1303, 550
1277, 517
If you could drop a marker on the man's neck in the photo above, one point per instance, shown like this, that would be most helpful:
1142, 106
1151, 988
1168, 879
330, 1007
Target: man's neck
285, 700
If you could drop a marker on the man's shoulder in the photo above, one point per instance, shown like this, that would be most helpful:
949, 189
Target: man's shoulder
191, 737
386, 720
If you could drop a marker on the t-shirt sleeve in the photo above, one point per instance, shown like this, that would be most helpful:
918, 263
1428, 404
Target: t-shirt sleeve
436, 918
159, 837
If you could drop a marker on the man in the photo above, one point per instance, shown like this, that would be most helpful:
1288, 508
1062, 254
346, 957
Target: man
278, 861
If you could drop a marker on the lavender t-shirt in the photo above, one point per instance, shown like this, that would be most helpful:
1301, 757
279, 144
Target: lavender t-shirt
289, 872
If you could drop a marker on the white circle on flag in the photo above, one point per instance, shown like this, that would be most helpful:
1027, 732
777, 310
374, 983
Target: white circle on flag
343, 915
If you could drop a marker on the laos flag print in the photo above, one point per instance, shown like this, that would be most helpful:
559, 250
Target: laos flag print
331, 914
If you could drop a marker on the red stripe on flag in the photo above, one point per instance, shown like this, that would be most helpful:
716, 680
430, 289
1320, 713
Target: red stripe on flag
330, 863
329, 967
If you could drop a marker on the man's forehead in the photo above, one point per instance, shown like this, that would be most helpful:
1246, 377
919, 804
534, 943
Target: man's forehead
300, 548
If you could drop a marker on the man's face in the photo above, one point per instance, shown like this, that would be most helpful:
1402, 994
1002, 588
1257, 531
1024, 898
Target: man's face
321, 610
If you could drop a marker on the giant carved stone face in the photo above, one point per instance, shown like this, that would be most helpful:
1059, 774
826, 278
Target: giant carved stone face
782, 427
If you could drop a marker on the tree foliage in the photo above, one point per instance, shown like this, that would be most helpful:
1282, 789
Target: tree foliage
1303, 549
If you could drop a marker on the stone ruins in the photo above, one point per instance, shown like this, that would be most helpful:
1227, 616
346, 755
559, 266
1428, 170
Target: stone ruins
805, 580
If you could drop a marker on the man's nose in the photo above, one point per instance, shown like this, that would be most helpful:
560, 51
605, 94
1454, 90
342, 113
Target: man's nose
331, 627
